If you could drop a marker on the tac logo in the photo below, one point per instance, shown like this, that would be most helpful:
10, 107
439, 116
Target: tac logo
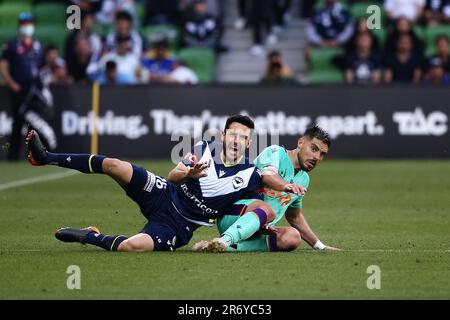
238, 182
418, 124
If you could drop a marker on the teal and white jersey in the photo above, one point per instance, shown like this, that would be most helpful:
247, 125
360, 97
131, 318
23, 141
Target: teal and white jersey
276, 159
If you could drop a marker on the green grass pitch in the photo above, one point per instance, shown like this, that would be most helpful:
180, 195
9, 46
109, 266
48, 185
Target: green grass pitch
393, 214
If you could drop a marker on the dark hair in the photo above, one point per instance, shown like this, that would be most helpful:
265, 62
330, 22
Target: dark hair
239, 118
274, 53
111, 65
50, 47
317, 132
275, 65
124, 15
122, 38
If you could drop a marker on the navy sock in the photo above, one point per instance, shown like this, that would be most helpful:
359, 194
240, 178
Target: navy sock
110, 243
86, 163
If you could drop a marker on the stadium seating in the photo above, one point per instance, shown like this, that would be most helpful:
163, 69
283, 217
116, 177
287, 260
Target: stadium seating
9, 13
320, 3
7, 33
201, 61
140, 11
103, 31
51, 35
155, 33
323, 68
359, 10
330, 76
50, 14
28, 2
430, 35
381, 35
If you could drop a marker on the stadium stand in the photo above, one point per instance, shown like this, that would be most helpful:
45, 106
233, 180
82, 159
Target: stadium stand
236, 65
201, 60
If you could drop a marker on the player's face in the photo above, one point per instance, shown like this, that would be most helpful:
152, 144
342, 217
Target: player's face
311, 152
235, 140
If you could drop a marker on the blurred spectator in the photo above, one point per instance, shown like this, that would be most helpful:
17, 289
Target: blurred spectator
277, 71
54, 70
403, 26
242, 9
127, 62
88, 6
443, 52
200, 28
280, 9
216, 8
307, 8
111, 76
82, 59
19, 66
213, 7
361, 28
437, 11
181, 74
163, 12
331, 26
124, 28
363, 64
436, 73
404, 65
408, 9
60, 75
94, 43
109, 9
261, 18
158, 62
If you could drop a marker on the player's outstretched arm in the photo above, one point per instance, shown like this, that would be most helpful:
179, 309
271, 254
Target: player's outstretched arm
296, 219
273, 180
182, 173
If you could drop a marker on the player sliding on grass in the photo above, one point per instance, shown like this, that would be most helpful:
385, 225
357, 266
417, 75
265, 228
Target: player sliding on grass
283, 165
204, 189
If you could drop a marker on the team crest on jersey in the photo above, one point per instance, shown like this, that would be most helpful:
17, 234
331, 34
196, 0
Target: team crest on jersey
191, 158
238, 182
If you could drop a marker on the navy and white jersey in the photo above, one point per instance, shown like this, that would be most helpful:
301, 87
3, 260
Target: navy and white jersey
330, 23
212, 196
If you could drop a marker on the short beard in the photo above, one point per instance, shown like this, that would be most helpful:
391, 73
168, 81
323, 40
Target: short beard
300, 162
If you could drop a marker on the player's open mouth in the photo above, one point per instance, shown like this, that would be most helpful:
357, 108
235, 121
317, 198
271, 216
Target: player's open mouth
235, 150
311, 163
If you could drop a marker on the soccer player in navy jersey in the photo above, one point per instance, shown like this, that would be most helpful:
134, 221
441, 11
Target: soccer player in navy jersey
201, 188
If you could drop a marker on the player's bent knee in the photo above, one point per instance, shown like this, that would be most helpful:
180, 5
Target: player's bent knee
271, 215
138, 243
121, 171
288, 239
110, 165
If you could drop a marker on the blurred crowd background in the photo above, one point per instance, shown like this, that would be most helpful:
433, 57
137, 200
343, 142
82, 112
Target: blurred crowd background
278, 42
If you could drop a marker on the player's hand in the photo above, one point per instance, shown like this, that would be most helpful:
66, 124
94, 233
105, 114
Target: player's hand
295, 188
328, 248
200, 246
196, 172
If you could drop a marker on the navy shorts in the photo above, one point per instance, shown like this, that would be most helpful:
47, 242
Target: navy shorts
168, 229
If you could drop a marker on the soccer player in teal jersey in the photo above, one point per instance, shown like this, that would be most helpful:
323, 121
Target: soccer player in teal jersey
288, 166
